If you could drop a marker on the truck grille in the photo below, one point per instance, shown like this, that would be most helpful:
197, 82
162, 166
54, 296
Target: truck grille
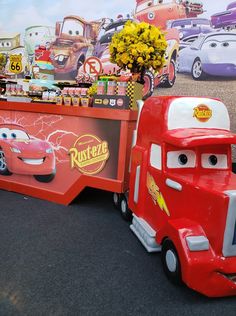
229, 246
234, 237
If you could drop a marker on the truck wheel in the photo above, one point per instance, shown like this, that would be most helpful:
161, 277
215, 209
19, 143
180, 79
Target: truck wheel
124, 209
170, 262
170, 81
116, 200
197, 71
3, 165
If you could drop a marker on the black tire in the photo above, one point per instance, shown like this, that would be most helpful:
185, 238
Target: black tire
3, 165
148, 84
116, 200
46, 177
197, 71
170, 262
170, 80
124, 209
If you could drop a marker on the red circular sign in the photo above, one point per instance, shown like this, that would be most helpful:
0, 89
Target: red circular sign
93, 66
120, 102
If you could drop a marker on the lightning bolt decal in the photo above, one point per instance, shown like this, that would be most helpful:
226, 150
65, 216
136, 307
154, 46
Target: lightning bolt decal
156, 195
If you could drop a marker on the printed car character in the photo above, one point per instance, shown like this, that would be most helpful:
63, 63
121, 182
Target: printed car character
167, 75
9, 42
11, 45
226, 18
158, 12
211, 54
24, 155
190, 27
74, 43
36, 36
146, 12
102, 46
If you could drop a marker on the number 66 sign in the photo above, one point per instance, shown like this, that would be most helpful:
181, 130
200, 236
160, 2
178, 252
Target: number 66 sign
15, 64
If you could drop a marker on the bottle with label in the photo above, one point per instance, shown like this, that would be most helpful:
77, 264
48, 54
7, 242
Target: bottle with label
101, 87
45, 95
111, 87
121, 87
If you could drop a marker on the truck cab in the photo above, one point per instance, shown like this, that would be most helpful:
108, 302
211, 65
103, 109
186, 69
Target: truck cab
183, 192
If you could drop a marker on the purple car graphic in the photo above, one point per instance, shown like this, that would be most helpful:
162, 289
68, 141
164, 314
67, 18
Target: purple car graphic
226, 18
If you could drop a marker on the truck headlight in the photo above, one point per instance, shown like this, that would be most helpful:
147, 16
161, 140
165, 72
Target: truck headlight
15, 150
197, 243
181, 35
49, 151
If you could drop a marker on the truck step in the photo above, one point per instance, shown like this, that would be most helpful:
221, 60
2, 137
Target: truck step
145, 234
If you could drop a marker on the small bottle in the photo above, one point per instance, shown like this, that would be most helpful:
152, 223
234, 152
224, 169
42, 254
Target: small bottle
59, 98
111, 87
101, 87
52, 95
8, 89
12, 89
45, 95
121, 87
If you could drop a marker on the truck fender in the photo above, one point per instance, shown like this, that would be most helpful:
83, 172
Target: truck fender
177, 231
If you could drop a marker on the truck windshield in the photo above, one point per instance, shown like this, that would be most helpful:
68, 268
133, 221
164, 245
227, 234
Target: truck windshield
17, 134
181, 159
73, 27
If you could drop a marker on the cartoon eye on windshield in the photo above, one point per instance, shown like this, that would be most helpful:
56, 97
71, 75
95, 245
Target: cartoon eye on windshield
181, 159
225, 44
214, 161
213, 44
18, 134
6, 133
73, 28
7, 44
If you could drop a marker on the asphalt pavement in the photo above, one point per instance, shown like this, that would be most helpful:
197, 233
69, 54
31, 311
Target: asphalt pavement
83, 259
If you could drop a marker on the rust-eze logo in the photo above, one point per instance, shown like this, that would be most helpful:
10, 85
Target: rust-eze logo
89, 154
202, 113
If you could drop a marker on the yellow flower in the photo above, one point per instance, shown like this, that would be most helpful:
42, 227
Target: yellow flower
138, 45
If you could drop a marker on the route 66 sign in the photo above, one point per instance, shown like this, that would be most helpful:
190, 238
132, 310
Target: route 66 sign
15, 64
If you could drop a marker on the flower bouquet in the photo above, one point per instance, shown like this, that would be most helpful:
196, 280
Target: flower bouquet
139, 46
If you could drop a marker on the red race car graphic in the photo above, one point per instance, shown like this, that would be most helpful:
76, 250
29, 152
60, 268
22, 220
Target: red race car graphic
22, 154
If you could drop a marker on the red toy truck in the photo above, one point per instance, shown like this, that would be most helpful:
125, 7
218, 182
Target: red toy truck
183, 193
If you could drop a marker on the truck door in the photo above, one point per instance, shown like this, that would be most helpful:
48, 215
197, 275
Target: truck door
156, 207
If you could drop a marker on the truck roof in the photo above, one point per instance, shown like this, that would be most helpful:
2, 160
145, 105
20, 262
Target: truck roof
188, 121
